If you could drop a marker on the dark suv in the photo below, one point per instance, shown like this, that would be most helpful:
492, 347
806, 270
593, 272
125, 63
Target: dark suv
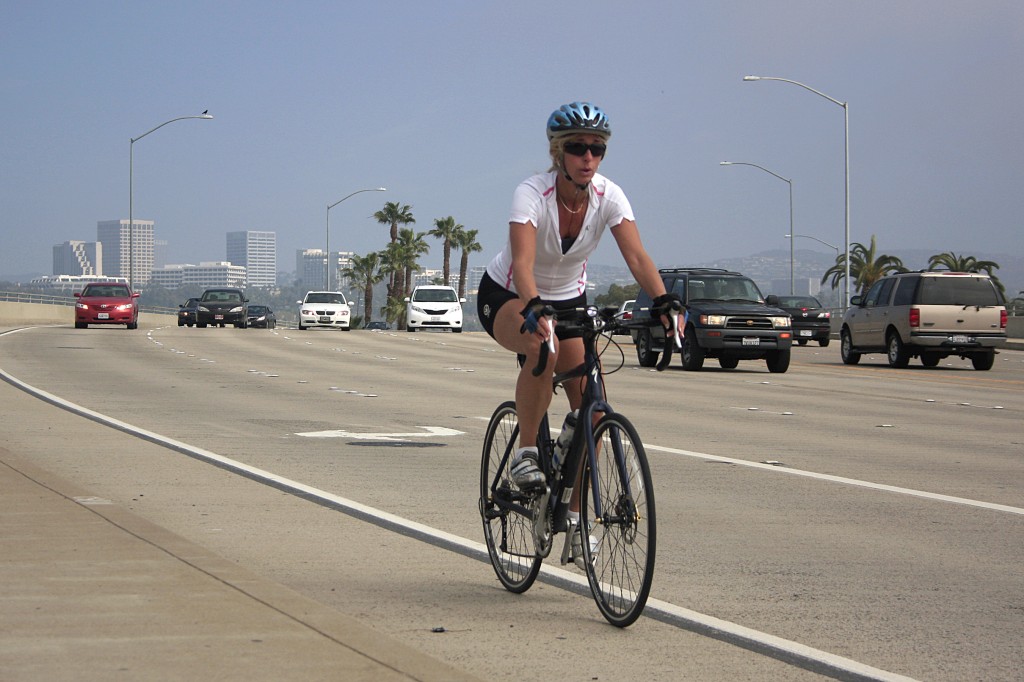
218, 307
726, 319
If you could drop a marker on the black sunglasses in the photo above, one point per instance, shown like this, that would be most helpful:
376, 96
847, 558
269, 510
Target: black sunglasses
579, 149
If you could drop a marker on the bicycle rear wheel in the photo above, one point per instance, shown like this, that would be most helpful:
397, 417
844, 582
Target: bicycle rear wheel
509, 533
621, 520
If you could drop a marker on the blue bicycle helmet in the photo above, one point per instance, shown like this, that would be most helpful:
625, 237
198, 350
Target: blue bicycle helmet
578, 117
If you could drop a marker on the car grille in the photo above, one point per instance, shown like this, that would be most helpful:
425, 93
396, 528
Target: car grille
325, 312
440, 311
747, 322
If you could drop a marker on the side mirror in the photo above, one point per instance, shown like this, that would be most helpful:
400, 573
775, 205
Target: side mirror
772, 300
406, 299
78, 294
857, 300
136, 294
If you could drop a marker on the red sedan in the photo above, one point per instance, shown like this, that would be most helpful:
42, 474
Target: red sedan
106, 303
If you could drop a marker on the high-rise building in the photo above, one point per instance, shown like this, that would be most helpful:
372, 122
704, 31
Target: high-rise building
78, 258
310, 268
114, 235
257, 251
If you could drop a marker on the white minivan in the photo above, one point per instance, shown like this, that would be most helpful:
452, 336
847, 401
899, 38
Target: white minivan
434, 307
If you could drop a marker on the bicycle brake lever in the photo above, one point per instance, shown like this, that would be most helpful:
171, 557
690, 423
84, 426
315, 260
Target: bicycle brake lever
548, 347
666, 356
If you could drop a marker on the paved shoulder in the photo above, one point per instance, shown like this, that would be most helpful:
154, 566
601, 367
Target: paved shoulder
89, 590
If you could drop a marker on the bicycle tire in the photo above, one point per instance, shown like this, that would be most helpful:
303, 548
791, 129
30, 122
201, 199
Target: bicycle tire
621, 569
509, 535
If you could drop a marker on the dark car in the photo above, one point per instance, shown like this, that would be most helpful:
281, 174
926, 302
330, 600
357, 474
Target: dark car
262, 316
726, 318
811, 322
106, 303
188, 312
219, 307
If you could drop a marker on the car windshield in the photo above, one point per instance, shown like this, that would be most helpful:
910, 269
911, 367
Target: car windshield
964, 291
257, 310
106, 291
798, 302
226, 296
335, 298
435, 296
723, 289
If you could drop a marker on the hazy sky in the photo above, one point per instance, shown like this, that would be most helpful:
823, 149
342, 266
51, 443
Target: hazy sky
444, 103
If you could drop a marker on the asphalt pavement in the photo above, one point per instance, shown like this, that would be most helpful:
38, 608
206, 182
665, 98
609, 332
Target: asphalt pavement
90, 591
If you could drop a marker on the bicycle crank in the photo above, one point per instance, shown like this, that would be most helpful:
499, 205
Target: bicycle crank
542, 535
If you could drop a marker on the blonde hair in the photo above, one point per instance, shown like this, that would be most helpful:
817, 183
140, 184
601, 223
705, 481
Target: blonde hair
556, 147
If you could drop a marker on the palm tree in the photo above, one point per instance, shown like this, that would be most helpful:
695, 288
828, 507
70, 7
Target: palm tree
413, 246
446, 229
394, 215
365, 271
955, 263
393, 268
466, 241
866, 266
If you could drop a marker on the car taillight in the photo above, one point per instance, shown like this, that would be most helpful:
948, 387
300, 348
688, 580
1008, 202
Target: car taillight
915, 318
1002, 319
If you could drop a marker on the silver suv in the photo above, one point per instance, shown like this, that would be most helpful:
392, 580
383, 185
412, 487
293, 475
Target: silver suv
930, 315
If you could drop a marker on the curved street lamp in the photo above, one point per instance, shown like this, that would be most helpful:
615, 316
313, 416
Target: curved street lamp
820, 241
329, 207
790, 183
131, 192
846, 128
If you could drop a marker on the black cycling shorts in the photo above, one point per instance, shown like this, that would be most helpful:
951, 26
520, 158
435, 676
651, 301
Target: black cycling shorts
491, 297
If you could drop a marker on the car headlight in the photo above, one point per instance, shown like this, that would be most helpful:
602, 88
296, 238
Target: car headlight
713, 320
780, 322
418, 309
125, 306
81, 306
203, 309
236, 309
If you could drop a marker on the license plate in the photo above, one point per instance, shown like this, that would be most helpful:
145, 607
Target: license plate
751, 340
325, 318
102, 316
960, 338
805, 332
435, 318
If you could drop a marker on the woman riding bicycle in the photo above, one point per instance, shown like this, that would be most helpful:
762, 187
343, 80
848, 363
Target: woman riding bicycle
556, 222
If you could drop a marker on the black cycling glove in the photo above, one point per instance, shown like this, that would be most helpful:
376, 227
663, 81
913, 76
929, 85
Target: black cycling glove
531, 315
665, 303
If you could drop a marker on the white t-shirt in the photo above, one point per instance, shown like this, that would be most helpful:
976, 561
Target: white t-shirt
560, 276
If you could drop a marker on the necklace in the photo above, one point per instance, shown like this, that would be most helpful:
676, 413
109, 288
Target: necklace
566, 206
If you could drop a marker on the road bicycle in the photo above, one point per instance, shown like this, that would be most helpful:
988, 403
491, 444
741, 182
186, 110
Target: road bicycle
616, 496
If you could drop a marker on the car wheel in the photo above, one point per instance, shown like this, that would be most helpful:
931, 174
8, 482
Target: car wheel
983, 361
777, 361
727, 362
133, 325
457, 330
180, 323
301, 327
801, 342
80, 325
846, 351
930, 359
644, 355
899, 357
692, 354
823, 343
201, 325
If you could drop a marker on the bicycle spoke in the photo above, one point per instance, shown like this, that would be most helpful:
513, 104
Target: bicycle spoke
621, 568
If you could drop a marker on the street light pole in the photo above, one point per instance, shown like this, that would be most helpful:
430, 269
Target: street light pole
846, 144
792, 278
327, 275
820, 241
131, 193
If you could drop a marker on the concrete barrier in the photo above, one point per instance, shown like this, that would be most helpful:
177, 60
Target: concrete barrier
19, 314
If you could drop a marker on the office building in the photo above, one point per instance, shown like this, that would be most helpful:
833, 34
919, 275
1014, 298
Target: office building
257, 252
116, 241
78, 258
310, 267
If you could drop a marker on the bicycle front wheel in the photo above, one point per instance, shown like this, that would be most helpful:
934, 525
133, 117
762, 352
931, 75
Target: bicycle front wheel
508, 532
617, 506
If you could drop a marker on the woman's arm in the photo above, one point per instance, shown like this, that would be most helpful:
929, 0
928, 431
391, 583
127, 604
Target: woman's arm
523, 239
640, 264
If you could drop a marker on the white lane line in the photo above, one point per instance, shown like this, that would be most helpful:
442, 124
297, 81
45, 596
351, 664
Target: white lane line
785, 650
991, 506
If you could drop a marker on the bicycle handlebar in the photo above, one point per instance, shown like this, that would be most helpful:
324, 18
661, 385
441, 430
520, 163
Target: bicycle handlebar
673, 314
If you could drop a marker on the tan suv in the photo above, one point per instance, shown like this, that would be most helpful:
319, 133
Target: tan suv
929, 314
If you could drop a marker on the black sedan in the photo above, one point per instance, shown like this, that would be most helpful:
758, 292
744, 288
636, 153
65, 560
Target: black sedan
262, 316
811, 322
188, 312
